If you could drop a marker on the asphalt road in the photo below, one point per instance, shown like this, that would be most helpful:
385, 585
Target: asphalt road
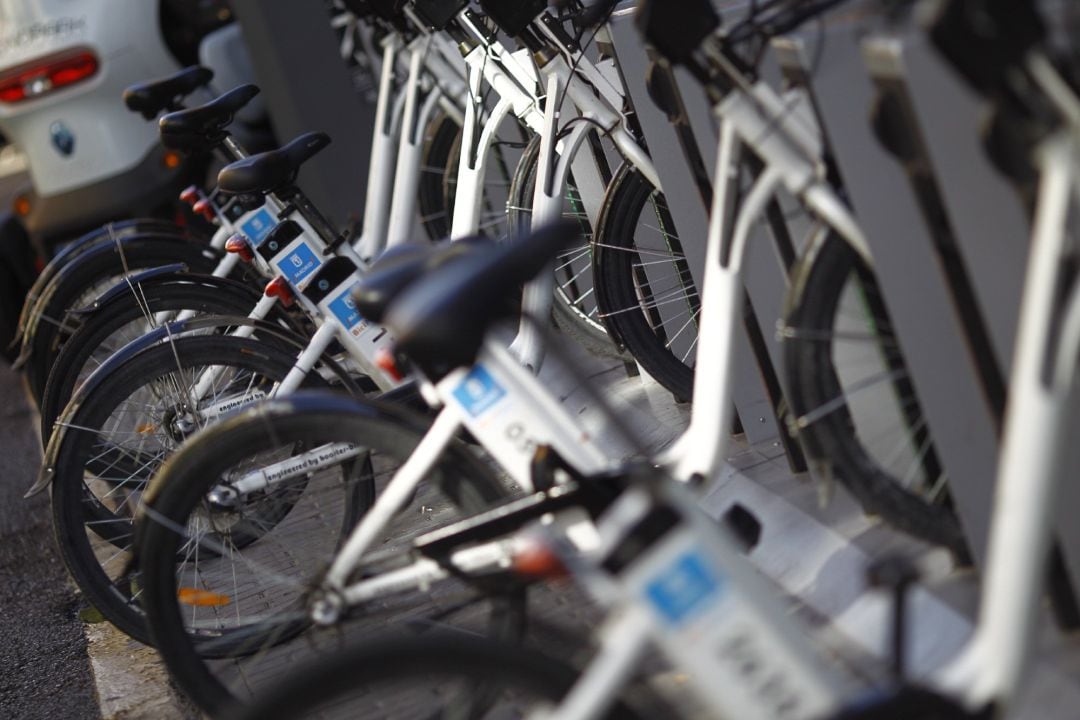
44, 669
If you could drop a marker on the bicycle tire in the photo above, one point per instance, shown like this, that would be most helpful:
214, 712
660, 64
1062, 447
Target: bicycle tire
208, 658
80, 516
826, 355
574, 311
76, 283
632, 284
71, 250
110, 326
441, 137
416, 663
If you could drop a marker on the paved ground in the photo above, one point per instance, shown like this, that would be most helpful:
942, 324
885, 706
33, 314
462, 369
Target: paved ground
45, 669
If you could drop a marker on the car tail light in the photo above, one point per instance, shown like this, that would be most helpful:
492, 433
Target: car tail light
279, 288
47, 74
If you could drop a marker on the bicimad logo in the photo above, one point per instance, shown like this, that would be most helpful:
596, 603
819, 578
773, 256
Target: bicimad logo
478, 391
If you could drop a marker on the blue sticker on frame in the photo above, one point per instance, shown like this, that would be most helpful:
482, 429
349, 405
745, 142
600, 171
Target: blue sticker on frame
298, 264
345, 310
258, 226
478, 391
684, 589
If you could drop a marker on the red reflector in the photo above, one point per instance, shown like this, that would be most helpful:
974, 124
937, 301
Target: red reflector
47, 74
385, 360
280, 289
238, 244
190, 195
204, 208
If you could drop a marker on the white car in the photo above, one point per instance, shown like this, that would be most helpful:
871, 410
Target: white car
63, 67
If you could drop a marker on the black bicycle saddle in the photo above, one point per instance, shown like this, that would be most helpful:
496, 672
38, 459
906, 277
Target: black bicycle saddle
271, 171
399, 267
154, 97
441, 321
204, 126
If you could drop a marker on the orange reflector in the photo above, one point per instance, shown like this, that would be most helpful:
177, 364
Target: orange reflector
146, 429
238, 244
279, 288
189, 195
538, 561
204, 208
201, 598
22, 206
385, 360
171, 159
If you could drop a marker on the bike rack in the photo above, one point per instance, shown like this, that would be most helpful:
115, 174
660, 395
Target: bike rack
925, 316
990, 226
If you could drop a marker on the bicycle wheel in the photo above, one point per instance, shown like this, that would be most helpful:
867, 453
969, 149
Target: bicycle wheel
83, 279
855, 407
441, 677
229, 624
644, 290
71, 251
440, 139
118, 433
131, 315
575, 310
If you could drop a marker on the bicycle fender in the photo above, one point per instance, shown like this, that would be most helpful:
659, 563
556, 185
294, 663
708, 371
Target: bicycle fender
72, 250
124, 286
93, 249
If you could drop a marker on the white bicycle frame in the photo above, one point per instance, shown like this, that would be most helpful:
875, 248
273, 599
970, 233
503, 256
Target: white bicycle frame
1042, 391
701, 450
593, 97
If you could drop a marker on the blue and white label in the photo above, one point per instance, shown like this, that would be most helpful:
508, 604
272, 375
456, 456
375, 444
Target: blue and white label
684, 589
298, 264
344, 308
478, 392
258, 226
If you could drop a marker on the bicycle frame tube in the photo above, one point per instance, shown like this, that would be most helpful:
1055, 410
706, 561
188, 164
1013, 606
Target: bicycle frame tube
396, 493
410, 148
701, 449
388, 112
1030, 469
472, 165
547, 208
510, 413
